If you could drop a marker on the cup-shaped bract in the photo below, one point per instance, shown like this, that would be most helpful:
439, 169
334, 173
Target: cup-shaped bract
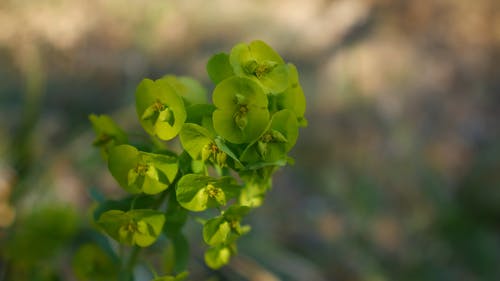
139, 227
218, 256
160, 109
138, 171
198, 192
195, 139
274, 144
108, 133
241, 113
261, 63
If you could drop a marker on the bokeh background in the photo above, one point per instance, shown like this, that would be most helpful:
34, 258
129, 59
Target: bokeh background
397, 176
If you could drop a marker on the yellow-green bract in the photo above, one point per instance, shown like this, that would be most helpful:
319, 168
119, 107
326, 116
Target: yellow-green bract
160, 109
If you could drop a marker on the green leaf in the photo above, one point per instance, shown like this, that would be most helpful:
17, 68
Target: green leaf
108, 133
139, 227
197, 112
259, 62
216, 231
191, 192
122, 159
138, 201
223, 146
161, 111
293, 97
236, 212
194, 138
218, 256
197, 192
188, 88
219, 68
238, 99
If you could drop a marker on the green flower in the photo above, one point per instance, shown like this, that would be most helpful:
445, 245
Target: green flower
261, 63
274, 144
138, 171
197, 192
136, 227
241, 113
160, 109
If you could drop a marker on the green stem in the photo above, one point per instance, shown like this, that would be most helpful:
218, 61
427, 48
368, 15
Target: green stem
131, 262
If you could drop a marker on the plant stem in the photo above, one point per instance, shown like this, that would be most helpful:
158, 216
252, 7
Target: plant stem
130, 264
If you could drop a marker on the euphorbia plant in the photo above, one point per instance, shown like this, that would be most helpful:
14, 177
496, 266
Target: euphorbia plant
230, 150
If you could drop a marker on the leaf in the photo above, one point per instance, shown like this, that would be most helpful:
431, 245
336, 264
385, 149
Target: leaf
167, 165
236, 99
111, 221
219, 68
139, 201
188, 88
122, 159
236, 212
194, 138
197, 112
293, 97
218, 256
108, 133
191, 192
216, 231
222, 146
168, 109
104, 126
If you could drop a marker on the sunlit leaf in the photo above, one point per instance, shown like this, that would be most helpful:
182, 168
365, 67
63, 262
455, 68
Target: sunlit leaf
194, 138
216, 231
218, 256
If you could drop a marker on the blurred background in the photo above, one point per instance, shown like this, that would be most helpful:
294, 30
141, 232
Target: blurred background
397, 176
